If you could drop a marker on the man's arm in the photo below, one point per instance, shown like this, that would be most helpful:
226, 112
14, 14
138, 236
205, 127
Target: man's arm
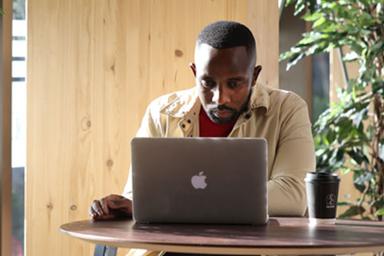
120, 206
148, 128
295, 157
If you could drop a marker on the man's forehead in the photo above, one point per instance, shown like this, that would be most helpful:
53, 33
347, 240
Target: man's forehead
207, 57
204, 49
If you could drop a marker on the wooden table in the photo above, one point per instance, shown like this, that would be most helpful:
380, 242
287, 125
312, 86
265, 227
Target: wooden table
280, 236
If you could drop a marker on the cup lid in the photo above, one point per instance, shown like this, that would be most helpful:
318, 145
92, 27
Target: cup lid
321, 176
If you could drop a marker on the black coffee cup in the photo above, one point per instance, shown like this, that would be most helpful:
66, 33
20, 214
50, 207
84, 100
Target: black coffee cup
322, 191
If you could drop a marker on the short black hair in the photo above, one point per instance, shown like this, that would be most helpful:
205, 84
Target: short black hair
227, 34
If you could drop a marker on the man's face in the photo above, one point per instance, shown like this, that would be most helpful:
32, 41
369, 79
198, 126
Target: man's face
224, 78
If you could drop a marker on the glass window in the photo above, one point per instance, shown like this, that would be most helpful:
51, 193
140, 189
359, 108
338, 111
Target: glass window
320, 84
309, 78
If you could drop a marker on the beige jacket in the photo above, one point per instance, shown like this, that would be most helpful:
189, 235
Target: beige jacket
279, 116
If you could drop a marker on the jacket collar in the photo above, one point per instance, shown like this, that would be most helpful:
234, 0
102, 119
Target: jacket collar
188, 102
260, 98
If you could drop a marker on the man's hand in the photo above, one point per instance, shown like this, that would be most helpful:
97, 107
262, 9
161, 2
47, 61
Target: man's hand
111, 207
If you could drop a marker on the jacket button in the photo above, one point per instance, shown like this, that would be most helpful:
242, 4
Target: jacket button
183, 126
189, 121
247, 116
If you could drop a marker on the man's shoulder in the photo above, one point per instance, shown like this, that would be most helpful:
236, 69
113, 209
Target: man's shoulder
174, 102
172, 97
280, 97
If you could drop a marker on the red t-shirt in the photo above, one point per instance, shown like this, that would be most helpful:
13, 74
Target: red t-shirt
211, 129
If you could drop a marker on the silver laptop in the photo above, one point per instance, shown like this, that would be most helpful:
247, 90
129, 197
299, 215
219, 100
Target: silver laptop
200, 180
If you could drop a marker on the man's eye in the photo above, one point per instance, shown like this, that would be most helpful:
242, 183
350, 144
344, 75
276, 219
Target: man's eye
208, 83
233, 84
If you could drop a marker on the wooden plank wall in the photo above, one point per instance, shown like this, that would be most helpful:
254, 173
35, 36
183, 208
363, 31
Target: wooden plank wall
93, 66
5, 127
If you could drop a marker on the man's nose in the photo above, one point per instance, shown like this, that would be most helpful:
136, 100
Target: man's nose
220, 96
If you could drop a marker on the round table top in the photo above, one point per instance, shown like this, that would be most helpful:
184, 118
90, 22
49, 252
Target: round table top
279, 236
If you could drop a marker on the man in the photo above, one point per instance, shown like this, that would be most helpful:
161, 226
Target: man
227, 102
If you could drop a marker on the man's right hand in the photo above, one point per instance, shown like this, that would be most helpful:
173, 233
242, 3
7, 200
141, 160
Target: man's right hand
111, 207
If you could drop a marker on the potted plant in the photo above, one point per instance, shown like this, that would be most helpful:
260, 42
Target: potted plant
349, 135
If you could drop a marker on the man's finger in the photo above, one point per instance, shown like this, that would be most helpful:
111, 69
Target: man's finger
104, 206
103, 217
96, 206
118, 203
92, 212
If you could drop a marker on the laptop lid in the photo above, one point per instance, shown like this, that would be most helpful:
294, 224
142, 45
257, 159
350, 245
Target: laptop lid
200, 180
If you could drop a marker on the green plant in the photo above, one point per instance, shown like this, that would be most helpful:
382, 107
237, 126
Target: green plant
349, 135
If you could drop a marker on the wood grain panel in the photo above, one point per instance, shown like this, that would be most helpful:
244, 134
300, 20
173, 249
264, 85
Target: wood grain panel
5, 127
93, 66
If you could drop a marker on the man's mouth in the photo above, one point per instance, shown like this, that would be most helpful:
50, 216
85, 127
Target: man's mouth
222, 113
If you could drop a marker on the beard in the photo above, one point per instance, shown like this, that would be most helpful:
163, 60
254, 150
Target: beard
231, 114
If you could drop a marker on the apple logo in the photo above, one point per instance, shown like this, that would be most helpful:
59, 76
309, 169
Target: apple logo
198, 181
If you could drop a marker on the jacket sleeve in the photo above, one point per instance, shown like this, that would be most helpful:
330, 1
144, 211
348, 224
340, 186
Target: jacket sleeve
295, 157
150, 127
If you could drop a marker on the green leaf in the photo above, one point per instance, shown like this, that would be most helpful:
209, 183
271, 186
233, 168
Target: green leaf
359, 117
344, 203
381, 151
379, 204
312, 17
365, 19
334, 31
308, 41
352, 211
357, 180
351, 56
299, 7
292, 61
362, 178
288, 2
319, 22
380, 212
378, 46
345, 170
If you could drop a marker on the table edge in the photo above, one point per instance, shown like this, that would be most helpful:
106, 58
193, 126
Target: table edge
309, 250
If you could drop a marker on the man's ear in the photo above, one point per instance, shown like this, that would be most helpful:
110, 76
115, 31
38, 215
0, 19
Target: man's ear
256, 73
193, 68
